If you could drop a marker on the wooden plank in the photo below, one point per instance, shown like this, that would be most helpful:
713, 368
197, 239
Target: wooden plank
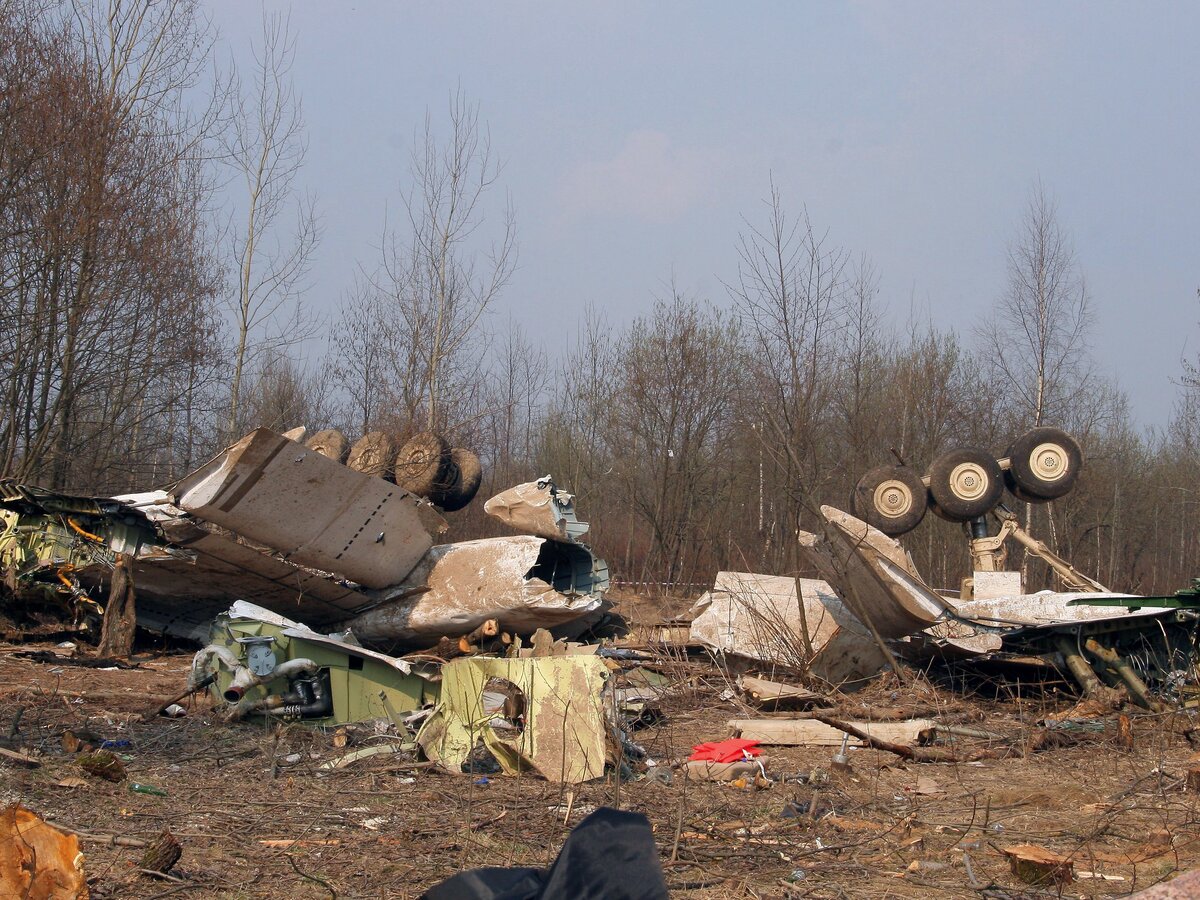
811, 733
765, 692
19, 758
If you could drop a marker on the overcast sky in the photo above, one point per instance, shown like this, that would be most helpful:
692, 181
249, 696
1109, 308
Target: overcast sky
635, 137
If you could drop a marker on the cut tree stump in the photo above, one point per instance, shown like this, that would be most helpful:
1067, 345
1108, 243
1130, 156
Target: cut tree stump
162, 855
104, 764
1037, 865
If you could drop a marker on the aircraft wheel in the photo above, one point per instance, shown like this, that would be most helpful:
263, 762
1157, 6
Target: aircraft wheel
1044, 464
965, 483
331, 443
463, 476
422, 464
372, 454
890, 498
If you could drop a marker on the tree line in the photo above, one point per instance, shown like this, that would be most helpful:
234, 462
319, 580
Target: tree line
154, 254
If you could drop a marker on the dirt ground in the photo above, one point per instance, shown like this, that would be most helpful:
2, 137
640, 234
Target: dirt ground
384, 828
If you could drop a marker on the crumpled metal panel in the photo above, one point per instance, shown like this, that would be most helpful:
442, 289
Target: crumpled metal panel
313, 510
563, 727
867, 575
30, 498
457, 587
219, 570
873, 570
759, 617
538, 508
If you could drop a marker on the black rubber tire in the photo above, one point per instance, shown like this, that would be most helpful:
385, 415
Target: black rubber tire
463, 477
1044, 464
1020, 493
937, 511
890, 498
372, 454
966, 483
422, 463
331, 443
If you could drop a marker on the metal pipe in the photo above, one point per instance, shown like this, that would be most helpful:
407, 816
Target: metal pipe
1137, 687
201, 660
1083, 673
244, 679
309, 698
291, 668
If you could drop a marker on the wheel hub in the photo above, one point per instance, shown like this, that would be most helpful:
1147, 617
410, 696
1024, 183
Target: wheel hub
893, 499
1049, 462
968, 481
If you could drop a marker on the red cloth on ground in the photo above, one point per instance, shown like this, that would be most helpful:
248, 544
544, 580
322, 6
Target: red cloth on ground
730, 750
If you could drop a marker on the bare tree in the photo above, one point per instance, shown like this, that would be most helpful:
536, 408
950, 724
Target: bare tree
105, 268
572, 438
266, 148
443, 276
670, 424
1038, 331
278, 393
789, 294
863, 354
518, 379
362, 353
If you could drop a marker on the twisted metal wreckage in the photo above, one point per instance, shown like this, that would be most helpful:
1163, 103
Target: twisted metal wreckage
271, 540
871, 604
271, 534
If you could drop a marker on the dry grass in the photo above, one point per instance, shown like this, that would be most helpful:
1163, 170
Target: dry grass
370, 831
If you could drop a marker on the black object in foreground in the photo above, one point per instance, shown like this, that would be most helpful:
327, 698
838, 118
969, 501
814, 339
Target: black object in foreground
610, 855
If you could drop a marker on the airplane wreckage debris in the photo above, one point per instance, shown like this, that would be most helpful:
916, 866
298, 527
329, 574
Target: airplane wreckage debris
871, 605
319, 593
272, 538
290, 529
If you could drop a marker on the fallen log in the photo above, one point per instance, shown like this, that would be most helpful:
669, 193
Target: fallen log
763, 692
103, 662
907, 751
467, 643
113, 840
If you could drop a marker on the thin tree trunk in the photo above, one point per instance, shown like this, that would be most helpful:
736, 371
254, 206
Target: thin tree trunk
120, 615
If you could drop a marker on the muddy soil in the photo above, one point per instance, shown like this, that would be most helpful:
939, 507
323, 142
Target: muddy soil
258, 817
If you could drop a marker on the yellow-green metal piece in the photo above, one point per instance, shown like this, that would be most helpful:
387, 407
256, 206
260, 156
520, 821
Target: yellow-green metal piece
559, 731
363, 686
30, 542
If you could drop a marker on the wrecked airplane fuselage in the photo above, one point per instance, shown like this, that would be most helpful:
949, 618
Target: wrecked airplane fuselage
872, 594
522, 582
271, 522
